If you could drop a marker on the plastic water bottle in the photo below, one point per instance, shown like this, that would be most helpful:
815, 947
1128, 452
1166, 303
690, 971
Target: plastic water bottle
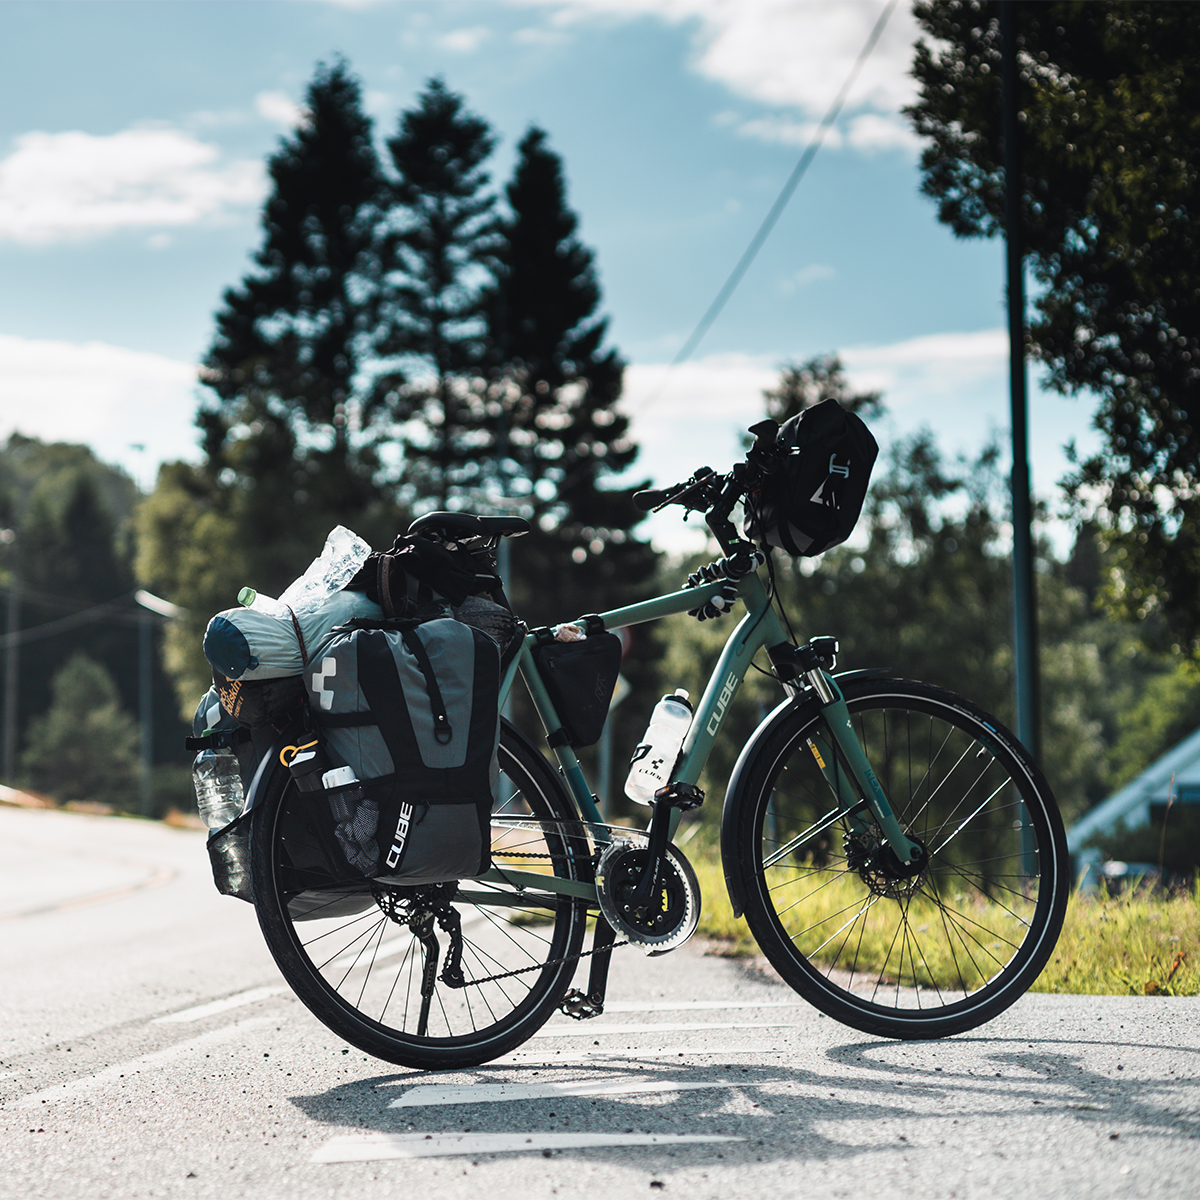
654, 759
357, 819
218, 784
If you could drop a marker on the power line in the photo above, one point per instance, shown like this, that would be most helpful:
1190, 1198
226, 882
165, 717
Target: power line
776, 210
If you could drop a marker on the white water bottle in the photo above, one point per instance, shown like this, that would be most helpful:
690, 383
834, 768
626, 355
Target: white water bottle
218, 784
654, 759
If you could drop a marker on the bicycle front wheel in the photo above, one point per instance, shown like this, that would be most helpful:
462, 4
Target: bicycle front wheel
377, 966
878, 947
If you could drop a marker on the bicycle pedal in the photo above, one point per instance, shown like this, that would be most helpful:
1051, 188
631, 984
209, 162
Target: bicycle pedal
580, 1007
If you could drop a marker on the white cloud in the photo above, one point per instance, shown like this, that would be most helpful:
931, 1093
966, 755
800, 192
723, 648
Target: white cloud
58, 186
955, 384
813, 273
789, 54
465, 41
107, 397
280, 108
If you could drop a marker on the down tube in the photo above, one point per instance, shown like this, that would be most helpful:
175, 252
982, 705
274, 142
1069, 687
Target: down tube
758, 628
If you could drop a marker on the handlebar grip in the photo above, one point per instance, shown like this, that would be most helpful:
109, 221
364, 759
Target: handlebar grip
650, 498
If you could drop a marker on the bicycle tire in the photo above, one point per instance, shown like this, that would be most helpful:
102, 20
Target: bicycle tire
924, 957
360, 973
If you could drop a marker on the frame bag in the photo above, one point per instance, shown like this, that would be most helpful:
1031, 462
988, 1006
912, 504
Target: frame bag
814, 498
414, 711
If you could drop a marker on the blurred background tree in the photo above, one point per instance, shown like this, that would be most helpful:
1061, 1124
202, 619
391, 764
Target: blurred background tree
1110, 155
437, 241
85, 745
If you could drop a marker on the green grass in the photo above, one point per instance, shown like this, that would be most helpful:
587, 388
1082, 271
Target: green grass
1142, 942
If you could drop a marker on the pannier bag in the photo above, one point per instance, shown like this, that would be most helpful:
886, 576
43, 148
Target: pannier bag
414, 710
813, 500
580, 677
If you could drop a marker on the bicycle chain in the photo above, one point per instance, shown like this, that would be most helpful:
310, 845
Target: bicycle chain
553, 962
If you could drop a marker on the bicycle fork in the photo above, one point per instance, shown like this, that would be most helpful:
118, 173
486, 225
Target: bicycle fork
857, 786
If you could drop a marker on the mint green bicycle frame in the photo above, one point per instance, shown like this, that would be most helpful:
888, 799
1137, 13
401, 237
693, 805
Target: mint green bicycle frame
761, 627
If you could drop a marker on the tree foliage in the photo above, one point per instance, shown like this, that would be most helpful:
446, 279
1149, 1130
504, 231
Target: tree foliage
822, 377
84, 747
441, 236
1110, 153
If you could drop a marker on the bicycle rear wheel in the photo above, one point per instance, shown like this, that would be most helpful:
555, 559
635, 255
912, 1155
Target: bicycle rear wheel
921, 955
373, 965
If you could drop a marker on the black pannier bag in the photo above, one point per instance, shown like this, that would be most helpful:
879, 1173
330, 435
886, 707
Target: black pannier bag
580, 677
813, 500
414, 710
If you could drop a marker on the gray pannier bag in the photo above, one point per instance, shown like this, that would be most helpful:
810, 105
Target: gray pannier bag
414, 710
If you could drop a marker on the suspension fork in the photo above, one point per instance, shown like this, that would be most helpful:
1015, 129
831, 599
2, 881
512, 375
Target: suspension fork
857, 784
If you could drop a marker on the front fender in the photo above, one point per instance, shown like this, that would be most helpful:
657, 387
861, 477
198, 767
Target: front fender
733, 794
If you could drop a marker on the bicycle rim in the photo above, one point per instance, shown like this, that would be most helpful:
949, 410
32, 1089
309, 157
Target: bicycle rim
923, 955
360, 961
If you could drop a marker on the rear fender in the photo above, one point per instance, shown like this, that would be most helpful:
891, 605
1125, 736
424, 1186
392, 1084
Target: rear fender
733, 794
267, 766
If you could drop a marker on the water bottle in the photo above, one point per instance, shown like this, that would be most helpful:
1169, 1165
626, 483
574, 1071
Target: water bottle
654, 759
218, 784
357, 821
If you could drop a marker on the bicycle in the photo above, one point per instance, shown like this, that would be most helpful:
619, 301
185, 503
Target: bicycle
896, 853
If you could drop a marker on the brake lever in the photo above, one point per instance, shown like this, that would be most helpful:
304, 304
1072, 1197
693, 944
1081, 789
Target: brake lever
702, 475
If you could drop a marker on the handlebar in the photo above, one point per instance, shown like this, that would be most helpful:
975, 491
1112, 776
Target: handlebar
715, 495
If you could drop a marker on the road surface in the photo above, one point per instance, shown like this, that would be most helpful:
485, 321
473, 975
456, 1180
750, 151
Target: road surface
150, 1048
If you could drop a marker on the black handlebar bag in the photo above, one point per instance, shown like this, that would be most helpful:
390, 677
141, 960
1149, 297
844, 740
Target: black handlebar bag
414, 710
814, 499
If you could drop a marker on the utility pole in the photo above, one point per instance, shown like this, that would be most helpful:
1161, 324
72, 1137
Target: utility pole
1025, 631
12, 652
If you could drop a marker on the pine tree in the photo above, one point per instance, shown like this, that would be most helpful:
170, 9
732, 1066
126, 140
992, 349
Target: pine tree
84, 747
293, 418
553, 393
435, 256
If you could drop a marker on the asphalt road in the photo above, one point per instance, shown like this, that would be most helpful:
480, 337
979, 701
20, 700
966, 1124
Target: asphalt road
148, 1047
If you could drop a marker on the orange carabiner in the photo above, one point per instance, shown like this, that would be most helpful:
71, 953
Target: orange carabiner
288, 754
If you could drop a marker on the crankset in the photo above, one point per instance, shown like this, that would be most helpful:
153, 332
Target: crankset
671, 911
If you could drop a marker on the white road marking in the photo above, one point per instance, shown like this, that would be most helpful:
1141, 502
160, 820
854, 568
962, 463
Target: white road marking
632, 1006
590, 1030
494, 1093
214, 1037
200, 1011
370, 1147
526, 1057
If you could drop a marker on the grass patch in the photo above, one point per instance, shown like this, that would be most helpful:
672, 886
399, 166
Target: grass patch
1142, 942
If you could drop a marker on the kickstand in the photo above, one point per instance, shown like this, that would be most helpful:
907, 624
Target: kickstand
575, 1003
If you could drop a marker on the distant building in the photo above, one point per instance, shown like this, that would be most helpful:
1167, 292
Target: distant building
1143, 801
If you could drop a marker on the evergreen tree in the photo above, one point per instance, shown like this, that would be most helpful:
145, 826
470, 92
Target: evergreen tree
801, 385
554, 388
1110, 158
84, 747
295, 421
440, 236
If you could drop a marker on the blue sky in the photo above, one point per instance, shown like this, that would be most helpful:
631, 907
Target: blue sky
132, 140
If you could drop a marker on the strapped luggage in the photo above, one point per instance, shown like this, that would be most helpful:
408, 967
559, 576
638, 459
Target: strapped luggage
814, 498
414, 711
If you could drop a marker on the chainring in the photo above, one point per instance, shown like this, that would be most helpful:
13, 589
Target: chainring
674, 910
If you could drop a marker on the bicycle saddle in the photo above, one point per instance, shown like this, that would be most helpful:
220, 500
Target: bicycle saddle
469, 525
